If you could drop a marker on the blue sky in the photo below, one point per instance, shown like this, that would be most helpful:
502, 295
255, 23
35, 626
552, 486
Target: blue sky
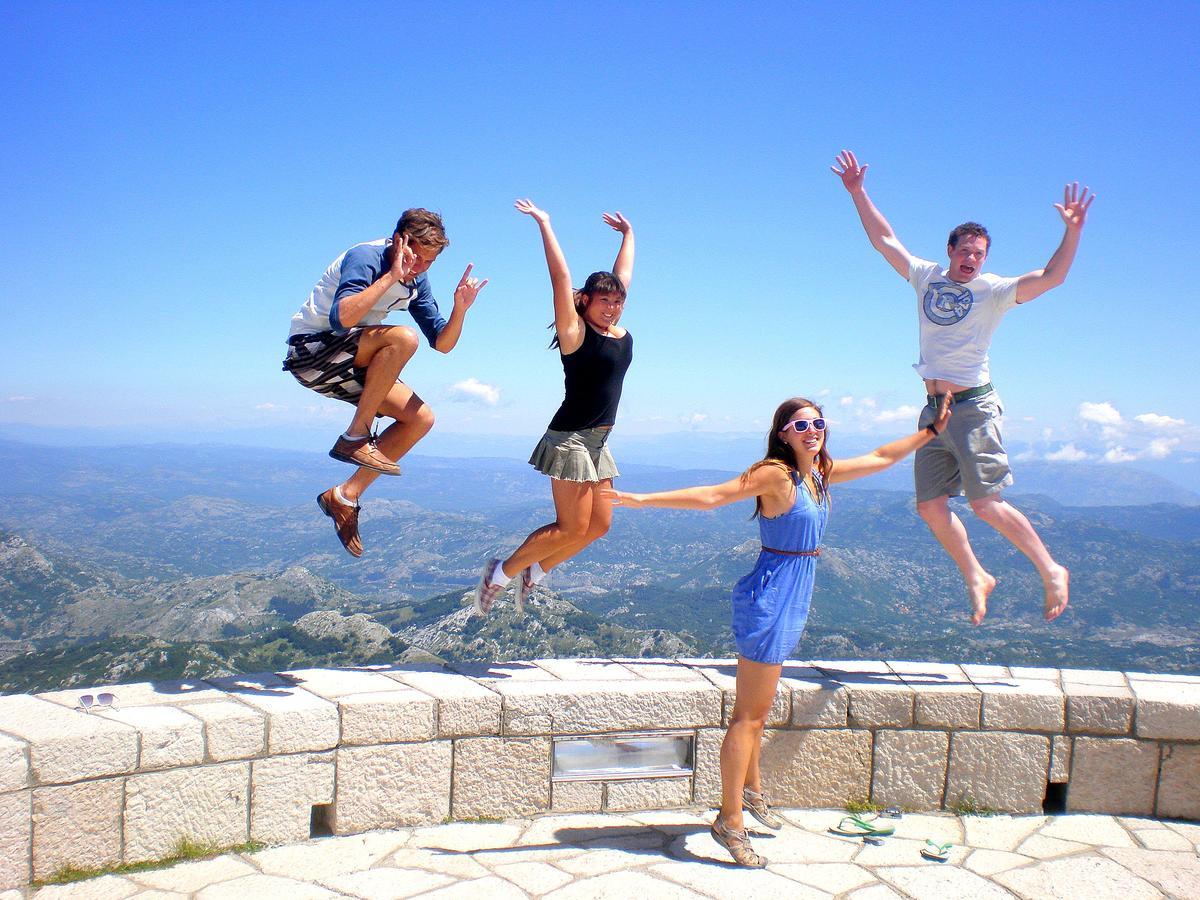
178, 177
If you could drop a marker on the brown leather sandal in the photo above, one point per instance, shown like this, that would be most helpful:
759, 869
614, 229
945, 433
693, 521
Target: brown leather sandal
738, 845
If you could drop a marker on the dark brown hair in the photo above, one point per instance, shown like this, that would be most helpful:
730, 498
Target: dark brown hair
425, 228
969, 229
778, 451
597, 283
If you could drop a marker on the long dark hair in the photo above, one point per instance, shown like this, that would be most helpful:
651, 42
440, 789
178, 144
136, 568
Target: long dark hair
779, 453
597, 283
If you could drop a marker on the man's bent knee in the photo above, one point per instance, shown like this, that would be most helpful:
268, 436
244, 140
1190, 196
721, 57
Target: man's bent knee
934, 510
988, 507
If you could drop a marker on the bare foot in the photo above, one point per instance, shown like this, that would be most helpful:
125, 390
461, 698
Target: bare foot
1057, 588
979, 591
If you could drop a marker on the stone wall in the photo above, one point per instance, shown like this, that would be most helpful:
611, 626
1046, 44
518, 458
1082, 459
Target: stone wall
235, 759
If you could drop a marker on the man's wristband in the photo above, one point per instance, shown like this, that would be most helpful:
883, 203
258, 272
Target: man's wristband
932, 430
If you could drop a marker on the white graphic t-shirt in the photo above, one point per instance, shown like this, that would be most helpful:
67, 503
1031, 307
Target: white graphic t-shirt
957, 321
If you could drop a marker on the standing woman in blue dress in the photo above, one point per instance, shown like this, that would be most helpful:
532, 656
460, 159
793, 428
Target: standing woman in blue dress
790, 487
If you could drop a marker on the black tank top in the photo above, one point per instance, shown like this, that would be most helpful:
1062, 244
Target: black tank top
593, 375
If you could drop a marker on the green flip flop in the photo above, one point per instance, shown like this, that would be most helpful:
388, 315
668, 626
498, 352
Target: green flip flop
935, 851
861, 826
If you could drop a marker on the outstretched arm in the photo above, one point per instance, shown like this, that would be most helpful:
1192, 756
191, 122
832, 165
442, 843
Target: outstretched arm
623, 267
566, 320
879, 232
1073, 210
751, 483
889, 454
465, 292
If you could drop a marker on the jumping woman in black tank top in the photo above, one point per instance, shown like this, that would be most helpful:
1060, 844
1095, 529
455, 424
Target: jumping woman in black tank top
595, 352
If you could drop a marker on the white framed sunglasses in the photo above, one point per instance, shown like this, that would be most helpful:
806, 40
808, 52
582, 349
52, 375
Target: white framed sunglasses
88, 702
802, 425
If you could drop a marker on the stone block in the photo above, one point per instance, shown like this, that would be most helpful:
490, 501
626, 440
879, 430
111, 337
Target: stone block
77, 825
707, 788
985, 673
384, 717
1113, 775
585, 707
14, 764
283, 791
231, 730
659, 669
205, 804
16, 839
1179, 782
880, 703
725, 678
1060, 759
143, 693
480, 790
1167, 710
298, 721
488, 674
331, 684
392, 785
948, 706
465, 708
910, 768
648, 793
1024, 704
815, 767
65, 745
998, 770
841, 669
586, 669
1036, 673
1098, 708
1094, 677
167, 736
821, 703
577, 796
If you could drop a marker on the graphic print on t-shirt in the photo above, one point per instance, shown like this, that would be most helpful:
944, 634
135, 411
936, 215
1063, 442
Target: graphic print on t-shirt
947, 303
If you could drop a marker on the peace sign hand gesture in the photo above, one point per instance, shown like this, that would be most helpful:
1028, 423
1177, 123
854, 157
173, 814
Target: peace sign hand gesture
468, 289
403, 260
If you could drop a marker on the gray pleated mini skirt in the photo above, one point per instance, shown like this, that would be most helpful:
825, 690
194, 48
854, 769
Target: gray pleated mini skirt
575, 455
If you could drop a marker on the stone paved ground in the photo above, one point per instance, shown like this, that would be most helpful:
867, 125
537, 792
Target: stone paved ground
670, 855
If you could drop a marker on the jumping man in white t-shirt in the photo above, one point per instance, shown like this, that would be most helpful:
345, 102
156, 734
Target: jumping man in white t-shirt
959, 308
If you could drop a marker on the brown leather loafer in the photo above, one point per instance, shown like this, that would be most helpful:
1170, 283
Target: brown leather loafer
345, 520
363, 452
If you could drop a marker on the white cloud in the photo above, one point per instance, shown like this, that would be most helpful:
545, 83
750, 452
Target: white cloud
1118, 455
18, 399
1067, 453
1154, 420
900, 413
847, 400
1100, 413
1160, 448
475, 391
694, 419
268, 407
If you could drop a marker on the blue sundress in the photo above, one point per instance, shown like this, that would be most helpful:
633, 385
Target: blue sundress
770, 605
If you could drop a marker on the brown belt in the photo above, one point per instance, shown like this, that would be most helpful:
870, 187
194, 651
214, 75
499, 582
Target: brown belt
792, 552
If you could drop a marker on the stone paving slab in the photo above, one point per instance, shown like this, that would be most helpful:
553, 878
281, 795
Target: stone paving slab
670, 854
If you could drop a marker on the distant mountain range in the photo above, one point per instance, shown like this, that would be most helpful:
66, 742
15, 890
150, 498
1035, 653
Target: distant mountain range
116, 561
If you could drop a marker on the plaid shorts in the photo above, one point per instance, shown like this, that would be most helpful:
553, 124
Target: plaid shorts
324, 362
